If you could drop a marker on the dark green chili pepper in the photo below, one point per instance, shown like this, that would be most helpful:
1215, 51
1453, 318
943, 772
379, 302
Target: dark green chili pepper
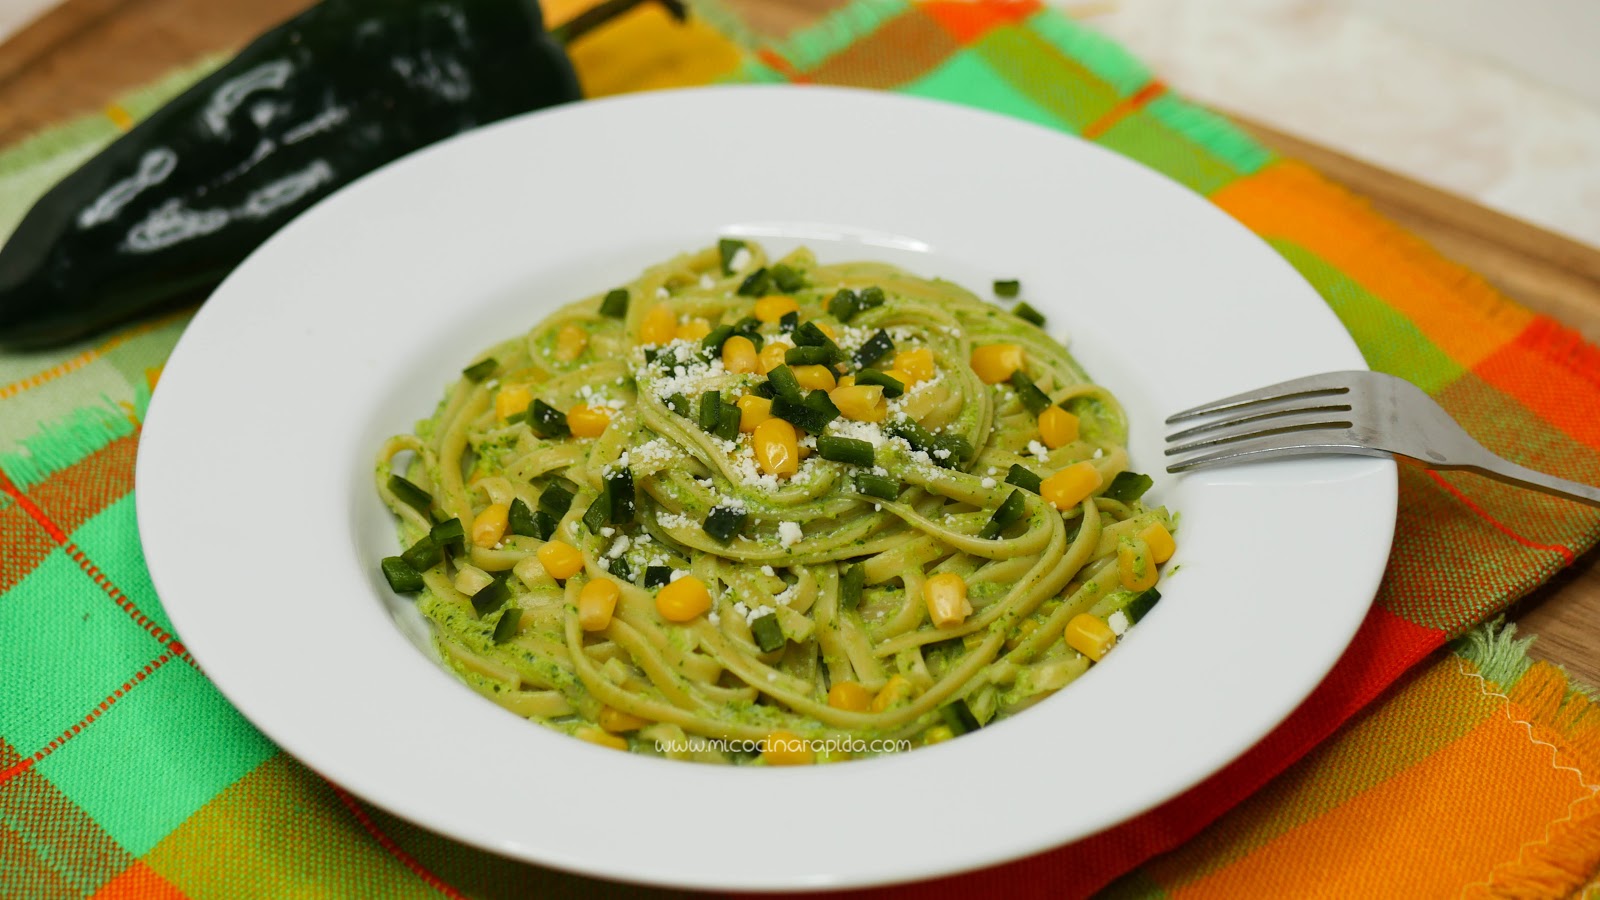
160, 216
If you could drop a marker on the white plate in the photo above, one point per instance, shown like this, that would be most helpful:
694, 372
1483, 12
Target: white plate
262, 531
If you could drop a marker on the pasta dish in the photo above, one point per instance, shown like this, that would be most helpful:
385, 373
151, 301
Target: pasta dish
771, 511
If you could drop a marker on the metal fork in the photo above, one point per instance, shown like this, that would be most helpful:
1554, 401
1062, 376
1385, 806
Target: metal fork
1360, 413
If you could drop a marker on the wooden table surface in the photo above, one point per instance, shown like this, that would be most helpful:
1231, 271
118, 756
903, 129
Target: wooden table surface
81, 54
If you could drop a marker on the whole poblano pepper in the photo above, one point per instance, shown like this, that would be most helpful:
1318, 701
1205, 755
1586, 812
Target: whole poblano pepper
165, 212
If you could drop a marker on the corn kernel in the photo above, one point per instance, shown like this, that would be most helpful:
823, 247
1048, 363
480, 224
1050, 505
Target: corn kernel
896, 691
777, 447
588, 421
512, 399
570, 342
849, 696
596, 736
560, 559
489, 526
938, 734
739, 355
1057, 427
1090, 636
827, 329
683, 600
772, 356
785, 748
771, 309
1162, 546
1135, 569
815, 378
693, 330
596, 602
916, 364
616, 721
1068, 487
946, 596
861, 402
995, 363
753, 410
659, 326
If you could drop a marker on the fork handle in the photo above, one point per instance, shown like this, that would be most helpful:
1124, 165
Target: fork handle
1502, 470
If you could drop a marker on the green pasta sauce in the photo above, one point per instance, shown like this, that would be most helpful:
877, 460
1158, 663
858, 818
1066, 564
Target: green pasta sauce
771, 512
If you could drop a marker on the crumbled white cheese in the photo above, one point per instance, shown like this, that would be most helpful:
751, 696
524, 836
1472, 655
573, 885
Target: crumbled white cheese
993, 470
789, 533
1099, 452
618, 547
750, 615
674, 520
788, 594
861, 431
740, 259
1118, 622
1039, 451
988, 482
655, 452
706, 281
607, 531
678, 573
662, 293
689, 372
768, 571
712, 617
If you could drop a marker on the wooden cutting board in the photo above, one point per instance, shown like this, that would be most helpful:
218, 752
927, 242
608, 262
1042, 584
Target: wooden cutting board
82, 53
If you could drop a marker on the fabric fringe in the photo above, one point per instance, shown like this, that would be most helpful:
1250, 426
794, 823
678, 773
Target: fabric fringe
1496, 652
1215, 134
809, 47
1094, 51
729, 23
1563, 714
58, 445
1565, 348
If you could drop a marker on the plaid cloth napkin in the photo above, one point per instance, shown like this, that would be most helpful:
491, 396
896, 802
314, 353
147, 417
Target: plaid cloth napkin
1407, 773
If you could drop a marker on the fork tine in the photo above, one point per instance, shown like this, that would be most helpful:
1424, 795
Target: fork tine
1227, 433
1263, 413
1311, 385
1303, 443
